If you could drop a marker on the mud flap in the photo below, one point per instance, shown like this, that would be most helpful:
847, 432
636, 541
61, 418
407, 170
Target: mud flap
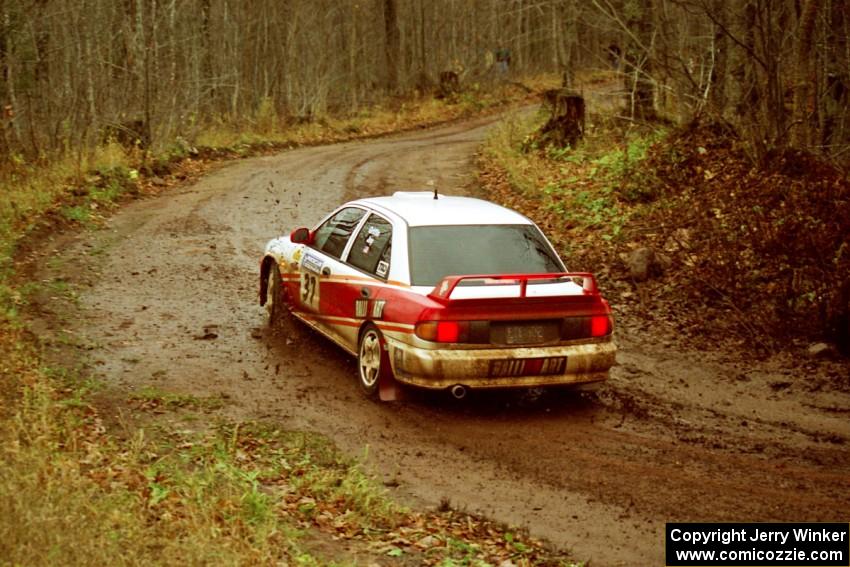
388, 390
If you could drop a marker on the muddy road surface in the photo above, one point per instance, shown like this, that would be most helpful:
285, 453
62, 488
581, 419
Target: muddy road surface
170, 302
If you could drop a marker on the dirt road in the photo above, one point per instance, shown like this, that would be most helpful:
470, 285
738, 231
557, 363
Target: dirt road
674, 436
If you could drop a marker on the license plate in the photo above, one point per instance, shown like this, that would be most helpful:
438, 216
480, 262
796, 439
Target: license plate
525, 334
547, 366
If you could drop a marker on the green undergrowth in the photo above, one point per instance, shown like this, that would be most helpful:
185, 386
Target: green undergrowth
155, 399
583, 194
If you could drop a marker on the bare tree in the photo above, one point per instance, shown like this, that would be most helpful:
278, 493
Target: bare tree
76, 72
393, 43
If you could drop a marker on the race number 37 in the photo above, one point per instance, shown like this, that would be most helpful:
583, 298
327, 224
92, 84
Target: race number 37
310, 290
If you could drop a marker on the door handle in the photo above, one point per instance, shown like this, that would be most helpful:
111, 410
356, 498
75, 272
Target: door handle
326, 271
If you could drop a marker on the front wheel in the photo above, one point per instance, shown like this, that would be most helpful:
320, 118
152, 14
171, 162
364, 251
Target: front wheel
370, 360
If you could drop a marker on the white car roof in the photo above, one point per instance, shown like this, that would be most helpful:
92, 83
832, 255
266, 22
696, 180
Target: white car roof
419, 208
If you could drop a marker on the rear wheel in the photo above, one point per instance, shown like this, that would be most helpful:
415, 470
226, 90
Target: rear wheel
274, 297
370, 360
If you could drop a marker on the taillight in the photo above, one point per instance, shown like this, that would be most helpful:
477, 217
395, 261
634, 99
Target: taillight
443, 331
495, 332
600, 325
448, 331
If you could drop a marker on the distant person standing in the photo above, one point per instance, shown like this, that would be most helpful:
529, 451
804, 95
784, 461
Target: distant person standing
503, 60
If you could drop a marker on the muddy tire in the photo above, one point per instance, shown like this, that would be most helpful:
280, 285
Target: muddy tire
274, 298
370, 360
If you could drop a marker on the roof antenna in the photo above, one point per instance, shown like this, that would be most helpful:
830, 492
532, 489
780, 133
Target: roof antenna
433, 184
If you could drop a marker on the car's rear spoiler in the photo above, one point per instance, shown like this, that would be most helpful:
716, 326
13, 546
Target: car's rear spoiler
442, 292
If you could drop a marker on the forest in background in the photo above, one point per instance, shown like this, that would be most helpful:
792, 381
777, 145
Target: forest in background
77, 73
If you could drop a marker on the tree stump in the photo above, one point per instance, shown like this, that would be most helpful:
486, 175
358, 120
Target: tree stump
565, 126
838, 317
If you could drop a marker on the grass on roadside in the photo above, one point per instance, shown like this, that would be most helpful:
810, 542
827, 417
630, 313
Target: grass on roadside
79, 495
28, 191
579, 195
266, 127
151, 398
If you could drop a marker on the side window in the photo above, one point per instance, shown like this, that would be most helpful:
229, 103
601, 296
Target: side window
333, 235
371, 249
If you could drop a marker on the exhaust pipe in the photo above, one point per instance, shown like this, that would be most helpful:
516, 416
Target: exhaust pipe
458, 391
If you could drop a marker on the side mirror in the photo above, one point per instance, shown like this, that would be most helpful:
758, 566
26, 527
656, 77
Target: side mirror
301, 236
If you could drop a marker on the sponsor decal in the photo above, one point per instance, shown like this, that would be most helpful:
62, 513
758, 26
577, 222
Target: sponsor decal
528, 366
296, 256
361, 307
378, 309
372, 234
382, 269
312, 263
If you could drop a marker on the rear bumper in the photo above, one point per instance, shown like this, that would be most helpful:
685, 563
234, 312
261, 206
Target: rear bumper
442, 368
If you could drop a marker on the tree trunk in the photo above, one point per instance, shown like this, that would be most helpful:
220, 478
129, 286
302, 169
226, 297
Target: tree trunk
717, 97
639, 85
206, 50
804, 104
393, 44
7, 74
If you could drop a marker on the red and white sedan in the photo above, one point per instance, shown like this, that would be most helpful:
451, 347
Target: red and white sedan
441, 292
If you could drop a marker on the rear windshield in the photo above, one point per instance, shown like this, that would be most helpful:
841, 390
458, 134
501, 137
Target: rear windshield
440, 251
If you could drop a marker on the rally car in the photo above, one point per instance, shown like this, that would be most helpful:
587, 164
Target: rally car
440, 292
